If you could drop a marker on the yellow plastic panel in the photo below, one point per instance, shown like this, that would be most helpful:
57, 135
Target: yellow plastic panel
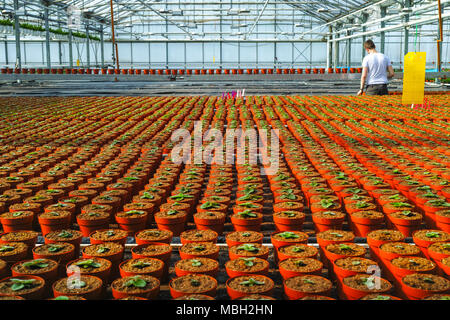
414, 78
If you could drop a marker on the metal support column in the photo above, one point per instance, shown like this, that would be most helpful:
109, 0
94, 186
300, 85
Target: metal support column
349, 51
336, 49
70, 49
17, 34
406, 43
88, 48
6, 53
239, 54
47, 37
330, 48
102, 47
383, 25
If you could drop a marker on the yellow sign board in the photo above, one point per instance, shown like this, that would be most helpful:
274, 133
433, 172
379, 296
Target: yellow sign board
414, 78
78, 62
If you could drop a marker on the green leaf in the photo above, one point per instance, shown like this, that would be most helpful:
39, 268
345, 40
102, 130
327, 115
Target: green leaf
6, 248
298, 249
19, 284
65, 234
309, 281
147, 195
345, 247
103, 250
89, 263
74, 283
326, 203
300, 263
136, 282
199, 248
288, 235
249, 247
196, 263
195, 283
249, 262
248, 205
55, 248
433, 234
210, 205
381, 297
247, 214
252, 282
181, 197
401, 204
35, 264
62, 298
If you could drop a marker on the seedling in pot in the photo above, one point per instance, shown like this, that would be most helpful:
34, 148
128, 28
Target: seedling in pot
20, 284
288, 235
136, 282
35, 264
6, 248
249, 262
247, 214
85, 264
248, 247
65, 234
252, 282
196, 263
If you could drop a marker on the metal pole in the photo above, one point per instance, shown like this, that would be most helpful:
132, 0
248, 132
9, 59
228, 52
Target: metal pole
441, 38
6, 53
17, 34
349, 52
70, 50
406, 44
102, 47
115, 47
383, 34
330, 49
88, 49
47, 37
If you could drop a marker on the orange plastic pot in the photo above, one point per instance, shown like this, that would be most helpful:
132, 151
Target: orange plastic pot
303, 239
103, 275
18, 224
87, 227
355, 294
149, 294
231, 242
141, 241
286, 274
157, 273
37, 294
293, 294
176, 293
234, 273
93, 294
180, 272
235, 294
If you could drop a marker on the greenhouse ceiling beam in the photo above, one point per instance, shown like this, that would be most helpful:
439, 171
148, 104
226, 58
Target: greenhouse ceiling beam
392, 28
167, 19
261, 12
427, 8
343, 18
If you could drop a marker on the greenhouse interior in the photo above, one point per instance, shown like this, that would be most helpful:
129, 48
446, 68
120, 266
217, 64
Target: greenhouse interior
224, 150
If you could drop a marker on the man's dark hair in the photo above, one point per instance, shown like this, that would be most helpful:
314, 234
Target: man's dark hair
369, 44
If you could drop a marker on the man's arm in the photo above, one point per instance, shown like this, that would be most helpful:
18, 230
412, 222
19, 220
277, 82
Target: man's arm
365, 72
391, 73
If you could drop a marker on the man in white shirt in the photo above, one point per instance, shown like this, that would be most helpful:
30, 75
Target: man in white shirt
377, 69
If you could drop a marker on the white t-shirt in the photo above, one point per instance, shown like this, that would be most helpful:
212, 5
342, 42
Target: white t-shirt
377, 63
